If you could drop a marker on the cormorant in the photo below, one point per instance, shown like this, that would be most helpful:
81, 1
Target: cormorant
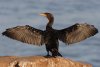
50, 36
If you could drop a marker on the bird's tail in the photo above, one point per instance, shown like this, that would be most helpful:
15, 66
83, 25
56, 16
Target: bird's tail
59, 54
55, 52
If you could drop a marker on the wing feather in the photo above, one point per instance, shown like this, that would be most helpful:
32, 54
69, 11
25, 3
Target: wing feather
76, 33
26, 34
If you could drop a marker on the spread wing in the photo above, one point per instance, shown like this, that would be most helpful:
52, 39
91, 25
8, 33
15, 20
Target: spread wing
76, 33
26, 34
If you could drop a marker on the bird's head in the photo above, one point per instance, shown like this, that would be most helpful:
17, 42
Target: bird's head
49, 16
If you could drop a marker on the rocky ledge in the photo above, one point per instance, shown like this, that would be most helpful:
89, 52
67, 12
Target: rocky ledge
39, 61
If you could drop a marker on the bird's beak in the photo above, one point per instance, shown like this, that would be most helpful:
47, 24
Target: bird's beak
42, 14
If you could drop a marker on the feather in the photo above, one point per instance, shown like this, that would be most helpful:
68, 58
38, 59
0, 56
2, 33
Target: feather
26, 34
76, 33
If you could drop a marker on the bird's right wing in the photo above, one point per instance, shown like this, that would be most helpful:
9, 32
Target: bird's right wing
26, 34
76, 33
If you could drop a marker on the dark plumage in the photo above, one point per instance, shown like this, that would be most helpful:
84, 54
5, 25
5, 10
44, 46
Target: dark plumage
50, 36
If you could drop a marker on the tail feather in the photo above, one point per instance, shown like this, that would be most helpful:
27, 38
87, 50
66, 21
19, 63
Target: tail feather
55, 52
59, 54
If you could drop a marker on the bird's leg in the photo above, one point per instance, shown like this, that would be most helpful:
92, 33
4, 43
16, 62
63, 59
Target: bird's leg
47, 53
47, 49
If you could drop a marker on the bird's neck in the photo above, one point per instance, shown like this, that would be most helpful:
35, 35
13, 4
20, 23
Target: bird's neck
50, 22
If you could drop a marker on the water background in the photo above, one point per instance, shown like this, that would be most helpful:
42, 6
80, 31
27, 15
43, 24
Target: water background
66, 13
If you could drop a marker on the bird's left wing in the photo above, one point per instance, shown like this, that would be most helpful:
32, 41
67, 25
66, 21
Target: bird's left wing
26, 34
76, 33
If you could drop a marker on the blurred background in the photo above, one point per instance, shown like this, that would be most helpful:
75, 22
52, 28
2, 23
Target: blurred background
66, 13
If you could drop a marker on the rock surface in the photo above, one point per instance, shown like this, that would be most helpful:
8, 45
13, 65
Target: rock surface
39, 61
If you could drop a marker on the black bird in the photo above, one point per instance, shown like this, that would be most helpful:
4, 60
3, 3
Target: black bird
50, 36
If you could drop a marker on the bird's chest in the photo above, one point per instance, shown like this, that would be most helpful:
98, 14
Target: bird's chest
51, 37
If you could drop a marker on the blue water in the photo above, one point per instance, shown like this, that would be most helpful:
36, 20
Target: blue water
66, 12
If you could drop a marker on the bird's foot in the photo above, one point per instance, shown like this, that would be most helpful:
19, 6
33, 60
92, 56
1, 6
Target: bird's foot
48, 55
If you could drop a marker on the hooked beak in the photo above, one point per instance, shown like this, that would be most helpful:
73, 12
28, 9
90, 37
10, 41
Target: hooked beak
42, 14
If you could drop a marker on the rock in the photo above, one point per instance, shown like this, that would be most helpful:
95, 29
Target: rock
39, 61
